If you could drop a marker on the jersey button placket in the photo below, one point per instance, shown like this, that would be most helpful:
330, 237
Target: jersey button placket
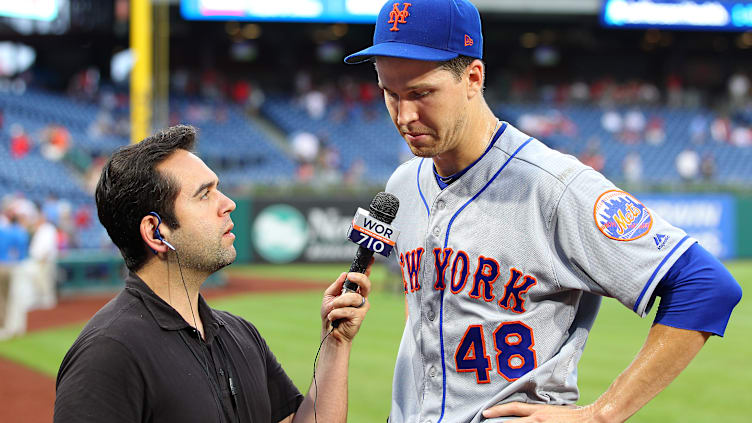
431, 315
436, 231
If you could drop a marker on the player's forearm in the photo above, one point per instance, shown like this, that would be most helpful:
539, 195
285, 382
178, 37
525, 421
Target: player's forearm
331, 382
666, 352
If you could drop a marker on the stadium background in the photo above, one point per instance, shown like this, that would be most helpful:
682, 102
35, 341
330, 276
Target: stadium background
300, 140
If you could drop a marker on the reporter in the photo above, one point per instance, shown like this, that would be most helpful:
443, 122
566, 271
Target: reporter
157, 352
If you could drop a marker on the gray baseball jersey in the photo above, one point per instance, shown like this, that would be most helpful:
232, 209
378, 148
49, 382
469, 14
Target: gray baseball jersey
503, 272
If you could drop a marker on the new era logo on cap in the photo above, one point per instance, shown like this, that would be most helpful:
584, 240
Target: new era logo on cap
398, 16
432, 30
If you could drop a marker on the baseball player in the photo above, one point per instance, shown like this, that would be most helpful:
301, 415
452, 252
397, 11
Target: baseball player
507, 247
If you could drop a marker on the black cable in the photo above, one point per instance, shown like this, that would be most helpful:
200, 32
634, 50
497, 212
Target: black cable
204, 362
315, 386
180, 268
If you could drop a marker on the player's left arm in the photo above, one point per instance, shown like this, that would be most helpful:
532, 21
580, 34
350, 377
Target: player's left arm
697, 297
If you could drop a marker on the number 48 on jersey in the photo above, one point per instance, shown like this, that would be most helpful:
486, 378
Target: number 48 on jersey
515, 356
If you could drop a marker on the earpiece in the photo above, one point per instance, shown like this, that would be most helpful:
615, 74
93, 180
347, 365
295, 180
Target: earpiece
158, 235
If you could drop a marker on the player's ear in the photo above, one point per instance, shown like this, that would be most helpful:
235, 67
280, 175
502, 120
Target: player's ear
475, 74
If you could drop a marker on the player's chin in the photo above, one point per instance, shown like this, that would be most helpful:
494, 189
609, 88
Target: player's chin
422, 151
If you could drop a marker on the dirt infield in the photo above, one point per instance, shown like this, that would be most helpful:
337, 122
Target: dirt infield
27, 396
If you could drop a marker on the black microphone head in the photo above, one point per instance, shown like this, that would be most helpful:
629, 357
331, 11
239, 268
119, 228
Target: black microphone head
384, 207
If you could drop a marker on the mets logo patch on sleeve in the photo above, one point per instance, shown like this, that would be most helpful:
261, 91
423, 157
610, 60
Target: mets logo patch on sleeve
621, 217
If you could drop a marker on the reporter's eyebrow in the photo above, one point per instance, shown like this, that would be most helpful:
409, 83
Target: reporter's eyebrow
204, 186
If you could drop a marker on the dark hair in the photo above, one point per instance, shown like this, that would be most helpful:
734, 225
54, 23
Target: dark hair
457, 65
130, 187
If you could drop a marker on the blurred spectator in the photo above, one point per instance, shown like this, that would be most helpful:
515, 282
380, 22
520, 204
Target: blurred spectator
51, 209
600, 92
14, 245
85, 84
39, 269
20, 206
368, 92
688, 165
738, 89
305, 173
707, 167
698, 129
303, 82
305, 149
91, 176
305, 146
674, 90
536, 125
654, 132
354, 174
240, 91
55, 142
553, 122
14, 239
211, 85
741, 136
328, 161
67, 233
102, 126
579, 92
255, 100
612, 122
634, 126
648, 93
632, 168
592, 155
82, 218
720, 129
20, 143
314, 103
521, 88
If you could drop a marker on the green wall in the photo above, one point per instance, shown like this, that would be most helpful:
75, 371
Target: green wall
241, 217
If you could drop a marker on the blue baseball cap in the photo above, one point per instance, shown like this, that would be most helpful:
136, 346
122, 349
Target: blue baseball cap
431, 30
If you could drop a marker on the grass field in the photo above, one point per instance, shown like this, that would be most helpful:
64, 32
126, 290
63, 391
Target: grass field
711, 389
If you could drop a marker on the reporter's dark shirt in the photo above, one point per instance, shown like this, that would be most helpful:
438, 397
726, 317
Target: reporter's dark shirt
137, 360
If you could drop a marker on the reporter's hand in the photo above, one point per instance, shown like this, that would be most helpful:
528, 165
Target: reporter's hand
350, 308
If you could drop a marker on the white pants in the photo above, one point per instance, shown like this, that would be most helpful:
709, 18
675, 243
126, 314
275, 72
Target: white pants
20, 295
40, 276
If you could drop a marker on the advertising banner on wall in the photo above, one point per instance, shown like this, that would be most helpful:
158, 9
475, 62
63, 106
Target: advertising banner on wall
709, 218
316, 230
303, 230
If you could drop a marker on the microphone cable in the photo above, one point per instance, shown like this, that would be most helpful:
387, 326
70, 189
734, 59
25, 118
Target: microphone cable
187, 296
315, 385
203, 360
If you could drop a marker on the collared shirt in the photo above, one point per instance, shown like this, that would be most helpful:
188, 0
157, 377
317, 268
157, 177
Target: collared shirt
137, 360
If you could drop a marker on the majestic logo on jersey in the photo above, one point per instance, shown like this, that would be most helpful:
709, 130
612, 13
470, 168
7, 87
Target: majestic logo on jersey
621, 217
398, 16
660, 240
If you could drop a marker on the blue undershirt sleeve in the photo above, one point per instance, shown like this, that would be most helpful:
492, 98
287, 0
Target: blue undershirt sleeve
697, 293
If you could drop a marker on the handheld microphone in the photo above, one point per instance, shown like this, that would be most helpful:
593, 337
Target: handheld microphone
372, 231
